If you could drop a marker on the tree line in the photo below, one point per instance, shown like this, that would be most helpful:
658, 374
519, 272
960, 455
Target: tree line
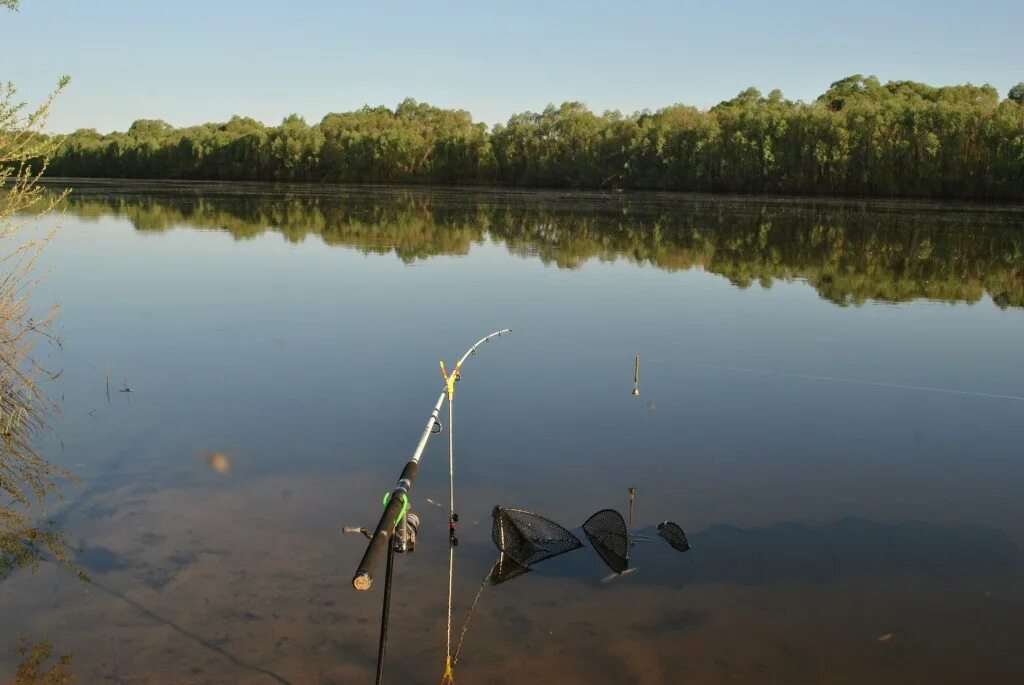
848, 252
860, 137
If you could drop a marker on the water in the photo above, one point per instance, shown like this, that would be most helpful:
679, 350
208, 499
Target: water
830, 405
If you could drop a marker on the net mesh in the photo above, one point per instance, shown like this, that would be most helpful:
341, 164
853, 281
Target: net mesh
528, 538
506, 569
607, 532
674, 534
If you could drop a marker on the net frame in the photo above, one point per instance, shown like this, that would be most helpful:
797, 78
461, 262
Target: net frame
529, 538
674, 535
608, 535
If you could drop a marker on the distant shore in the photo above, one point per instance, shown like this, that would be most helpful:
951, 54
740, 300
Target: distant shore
861, 138
636, 198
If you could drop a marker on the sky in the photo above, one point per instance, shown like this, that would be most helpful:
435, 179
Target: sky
189, 62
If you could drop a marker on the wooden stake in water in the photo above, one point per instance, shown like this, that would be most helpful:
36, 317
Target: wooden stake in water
636, 376
632, 499
629, 526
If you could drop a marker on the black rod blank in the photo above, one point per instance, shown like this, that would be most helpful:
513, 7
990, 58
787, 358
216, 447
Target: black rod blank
385, 531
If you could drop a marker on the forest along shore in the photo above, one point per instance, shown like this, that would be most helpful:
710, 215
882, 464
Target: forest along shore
860, 137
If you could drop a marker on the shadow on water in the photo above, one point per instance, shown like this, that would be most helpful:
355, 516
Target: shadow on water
100, 560
105, 561
794, 552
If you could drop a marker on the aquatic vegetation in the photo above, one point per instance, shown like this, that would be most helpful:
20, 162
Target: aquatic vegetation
37, 665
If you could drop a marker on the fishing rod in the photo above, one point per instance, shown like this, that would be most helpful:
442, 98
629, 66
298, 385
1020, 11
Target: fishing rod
397, 501
396, 530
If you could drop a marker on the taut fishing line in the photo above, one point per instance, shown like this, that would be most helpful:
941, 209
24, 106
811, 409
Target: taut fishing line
786, 374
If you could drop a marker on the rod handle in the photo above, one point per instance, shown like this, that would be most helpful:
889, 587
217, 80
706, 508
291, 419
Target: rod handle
381, 538
378, 545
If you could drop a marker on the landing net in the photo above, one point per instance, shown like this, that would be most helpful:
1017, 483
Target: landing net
528, 538
674, 535
607, 532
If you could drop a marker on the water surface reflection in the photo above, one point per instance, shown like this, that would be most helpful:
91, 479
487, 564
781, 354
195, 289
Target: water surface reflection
851, 518
851, 252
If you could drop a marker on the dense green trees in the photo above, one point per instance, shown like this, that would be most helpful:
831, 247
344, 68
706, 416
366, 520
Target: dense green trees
1017, 93
861, 137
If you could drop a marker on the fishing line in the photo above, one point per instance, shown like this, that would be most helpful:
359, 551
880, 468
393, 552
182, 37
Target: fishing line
856, 381
787, 374
469, 614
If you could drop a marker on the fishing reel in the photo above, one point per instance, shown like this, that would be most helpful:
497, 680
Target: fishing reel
404, 539
405, 533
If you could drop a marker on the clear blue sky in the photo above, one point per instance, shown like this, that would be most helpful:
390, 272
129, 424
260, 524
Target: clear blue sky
189, 62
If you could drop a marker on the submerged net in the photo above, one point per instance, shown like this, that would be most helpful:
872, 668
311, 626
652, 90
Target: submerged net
674, 534
506, 569
607, 532
528, 538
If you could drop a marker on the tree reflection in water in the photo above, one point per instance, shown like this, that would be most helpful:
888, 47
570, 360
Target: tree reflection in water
849, 252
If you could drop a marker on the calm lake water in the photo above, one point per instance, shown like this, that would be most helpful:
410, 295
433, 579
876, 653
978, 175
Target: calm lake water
831, 404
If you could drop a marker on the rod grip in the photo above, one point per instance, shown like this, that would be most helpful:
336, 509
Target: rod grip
378, 545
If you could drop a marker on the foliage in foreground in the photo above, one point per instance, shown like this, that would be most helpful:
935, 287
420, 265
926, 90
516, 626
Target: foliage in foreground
26, 479
861, 137
37, 666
